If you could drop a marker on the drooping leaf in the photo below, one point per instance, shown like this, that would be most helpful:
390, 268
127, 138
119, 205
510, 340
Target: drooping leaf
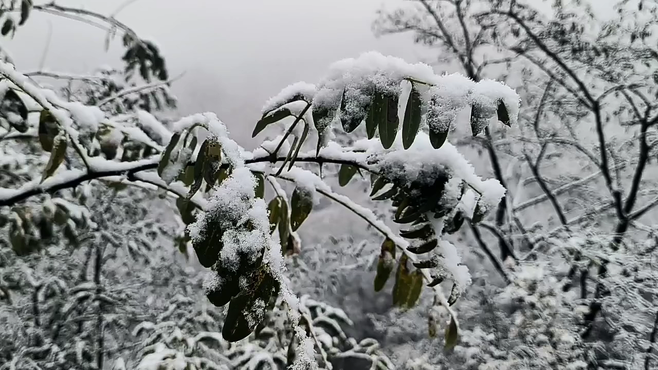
403, 283
273, 209
186, 208
236, 326
452, 225
424, 247
284, 222
199, 170
379, 183
348, 117
416, 289
301, 205
480, 116
345, 174
412, 117
420, 233
385, 264
454, 294
224, 292
7, 26
26, 6
437, 139
260, 185
426, 264
166, 155
270, 118
14, 111
371, 123
47, 130
452, 334
387, 194
503, 114
436, 280
56, 156
388, 121
210, 245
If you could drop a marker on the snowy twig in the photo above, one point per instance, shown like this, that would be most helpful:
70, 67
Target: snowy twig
135, 89
8, 71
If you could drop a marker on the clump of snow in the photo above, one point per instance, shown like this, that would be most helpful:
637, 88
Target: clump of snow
452, 262
299, 90
152, 126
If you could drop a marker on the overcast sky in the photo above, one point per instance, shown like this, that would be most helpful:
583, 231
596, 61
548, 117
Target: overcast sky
236, 54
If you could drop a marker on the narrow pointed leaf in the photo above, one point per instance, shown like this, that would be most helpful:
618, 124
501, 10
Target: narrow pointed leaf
415, 290
424, 248
412, 116
389, 121
379, 183
452, 334
503, 114
47, 130
56, 155
236, 326
13, 109
199, 167
371, 123
385, 264
438, 138
403, 283
345, 174
420, 233
301, 206
273, 209
270, 118
166, 156
348, 118
284, 222
260, 185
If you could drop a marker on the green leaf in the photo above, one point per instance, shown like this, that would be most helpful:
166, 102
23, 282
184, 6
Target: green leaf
438, 138
186, 208
236, 326
301, 206
26, 6
416, 289
425, 247
345, 174
56, 156
379, 183
479, 119
270, 118
385, 264
187, 176
388, 121
350, 120
478, 214
12, 108
387, 194
7, 27
199, 167
452, 334
165, 160
454, 294
403, 283
260, 185
284, 222
274, 209
210, 245
503, 114
420, 233
47, 130
371, 123
412, 116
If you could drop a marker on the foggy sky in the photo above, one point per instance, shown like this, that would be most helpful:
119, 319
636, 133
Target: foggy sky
235, 54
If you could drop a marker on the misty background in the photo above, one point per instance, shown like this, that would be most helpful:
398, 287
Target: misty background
234, 54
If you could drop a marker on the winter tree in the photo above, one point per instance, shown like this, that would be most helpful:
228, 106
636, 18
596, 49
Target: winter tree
69, 153
582, 153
